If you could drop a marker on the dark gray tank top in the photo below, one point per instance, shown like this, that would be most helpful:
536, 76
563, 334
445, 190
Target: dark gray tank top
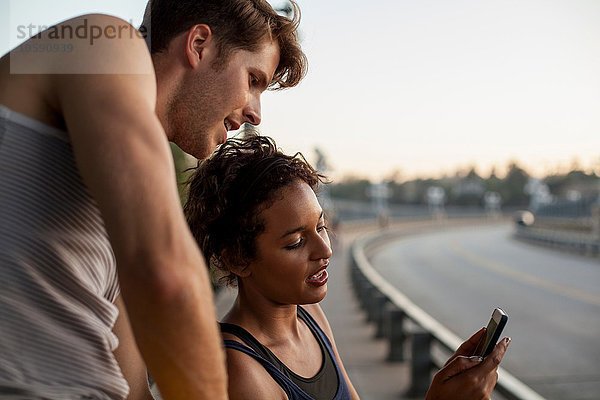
327, 384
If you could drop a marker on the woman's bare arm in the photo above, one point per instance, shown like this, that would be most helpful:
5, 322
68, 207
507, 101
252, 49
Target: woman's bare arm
129, 358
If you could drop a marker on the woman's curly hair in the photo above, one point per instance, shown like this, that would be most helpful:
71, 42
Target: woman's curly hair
227, 193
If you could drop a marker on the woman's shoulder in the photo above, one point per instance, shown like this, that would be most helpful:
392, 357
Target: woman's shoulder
248, 379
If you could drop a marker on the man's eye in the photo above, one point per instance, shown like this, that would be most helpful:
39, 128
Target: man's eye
322, 228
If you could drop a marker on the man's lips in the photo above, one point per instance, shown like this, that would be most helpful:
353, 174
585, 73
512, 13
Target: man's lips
231, 125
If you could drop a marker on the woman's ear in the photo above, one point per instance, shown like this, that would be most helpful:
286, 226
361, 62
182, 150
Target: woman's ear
234, 266
242, 271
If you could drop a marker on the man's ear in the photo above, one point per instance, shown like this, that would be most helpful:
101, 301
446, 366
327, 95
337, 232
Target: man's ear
199, 44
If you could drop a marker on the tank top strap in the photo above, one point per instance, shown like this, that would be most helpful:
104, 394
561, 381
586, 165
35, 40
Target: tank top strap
312, 324
290, 388
343, 392
245, 337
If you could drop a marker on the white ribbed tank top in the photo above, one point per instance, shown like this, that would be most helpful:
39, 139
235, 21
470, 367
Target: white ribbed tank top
58, 277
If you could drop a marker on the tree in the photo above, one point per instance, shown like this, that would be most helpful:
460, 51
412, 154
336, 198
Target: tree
513, 185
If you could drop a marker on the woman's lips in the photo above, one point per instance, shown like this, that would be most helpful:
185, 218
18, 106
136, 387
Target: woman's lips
318, 279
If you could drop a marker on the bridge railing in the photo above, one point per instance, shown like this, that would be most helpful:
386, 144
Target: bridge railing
408, 327
583, 243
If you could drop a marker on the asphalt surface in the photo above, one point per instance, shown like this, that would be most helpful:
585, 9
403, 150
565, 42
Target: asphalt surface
552, 298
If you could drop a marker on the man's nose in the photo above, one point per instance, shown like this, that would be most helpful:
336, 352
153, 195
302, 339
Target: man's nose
252, 112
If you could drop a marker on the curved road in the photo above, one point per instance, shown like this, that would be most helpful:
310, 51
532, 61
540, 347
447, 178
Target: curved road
552, 299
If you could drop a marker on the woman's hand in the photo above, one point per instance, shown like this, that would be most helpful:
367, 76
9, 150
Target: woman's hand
468, 378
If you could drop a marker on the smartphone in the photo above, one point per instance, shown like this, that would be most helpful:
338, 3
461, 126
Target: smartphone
494, 330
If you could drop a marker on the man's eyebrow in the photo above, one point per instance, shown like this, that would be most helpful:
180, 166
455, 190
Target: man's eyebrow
298, 229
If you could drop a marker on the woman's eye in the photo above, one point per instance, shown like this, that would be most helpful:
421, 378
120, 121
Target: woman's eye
322, 228
295, 245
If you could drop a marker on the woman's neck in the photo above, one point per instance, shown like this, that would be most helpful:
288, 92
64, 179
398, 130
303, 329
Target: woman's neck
270, 323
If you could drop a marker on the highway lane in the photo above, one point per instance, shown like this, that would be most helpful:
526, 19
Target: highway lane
552, 298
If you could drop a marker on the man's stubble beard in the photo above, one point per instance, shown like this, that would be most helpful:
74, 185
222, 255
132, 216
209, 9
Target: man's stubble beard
189, 120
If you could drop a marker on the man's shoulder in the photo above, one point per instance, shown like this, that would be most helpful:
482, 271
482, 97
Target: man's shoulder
96, 18
96, 24
84, 52
112, 44
86, 44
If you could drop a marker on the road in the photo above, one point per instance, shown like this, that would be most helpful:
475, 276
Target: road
552, 299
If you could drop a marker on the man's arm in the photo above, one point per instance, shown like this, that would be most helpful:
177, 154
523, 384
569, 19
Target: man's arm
124, 158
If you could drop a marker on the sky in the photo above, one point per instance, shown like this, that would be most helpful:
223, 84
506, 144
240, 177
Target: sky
422, 88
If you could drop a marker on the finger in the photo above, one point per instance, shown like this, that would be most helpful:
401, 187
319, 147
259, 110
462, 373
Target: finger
458, 365
468, 347
493, 360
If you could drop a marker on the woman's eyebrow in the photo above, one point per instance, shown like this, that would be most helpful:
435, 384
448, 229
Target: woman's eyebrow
292, 231
299, 229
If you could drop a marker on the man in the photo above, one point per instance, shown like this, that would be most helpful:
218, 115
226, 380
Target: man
87, 191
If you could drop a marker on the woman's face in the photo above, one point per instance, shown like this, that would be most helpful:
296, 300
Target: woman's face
293, 251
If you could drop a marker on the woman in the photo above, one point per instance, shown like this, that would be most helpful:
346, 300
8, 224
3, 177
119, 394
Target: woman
254, 212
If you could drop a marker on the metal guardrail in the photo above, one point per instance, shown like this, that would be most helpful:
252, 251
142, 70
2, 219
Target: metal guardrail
584, 243
401, 321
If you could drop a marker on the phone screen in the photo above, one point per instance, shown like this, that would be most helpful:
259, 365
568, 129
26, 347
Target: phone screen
493, 331
491, 328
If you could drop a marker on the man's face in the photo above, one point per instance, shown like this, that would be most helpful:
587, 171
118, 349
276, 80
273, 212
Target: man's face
213, 101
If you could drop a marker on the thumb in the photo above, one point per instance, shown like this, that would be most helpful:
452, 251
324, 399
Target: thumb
459, 365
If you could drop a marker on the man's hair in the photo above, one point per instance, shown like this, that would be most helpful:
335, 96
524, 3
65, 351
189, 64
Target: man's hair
228, 192
237, 25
